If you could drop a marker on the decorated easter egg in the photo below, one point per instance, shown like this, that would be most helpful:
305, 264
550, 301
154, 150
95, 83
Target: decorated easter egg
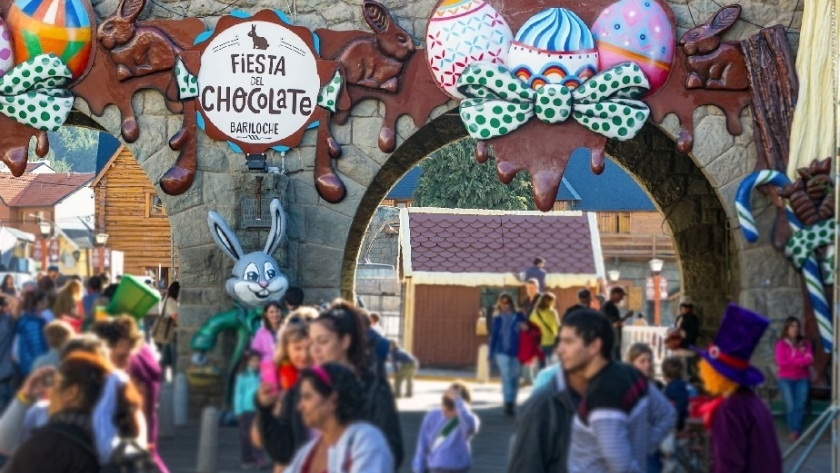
460, 33
553, 47
7, 57
61, 27
637, 31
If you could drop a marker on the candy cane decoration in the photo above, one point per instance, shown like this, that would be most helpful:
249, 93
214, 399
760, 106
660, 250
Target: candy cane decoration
811, 270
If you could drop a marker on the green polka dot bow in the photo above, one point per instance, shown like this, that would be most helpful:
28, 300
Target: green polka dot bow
187, 83
804, 242
188, 87
31, 93
498, 102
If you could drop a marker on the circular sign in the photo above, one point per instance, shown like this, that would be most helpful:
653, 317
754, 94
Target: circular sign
258, 82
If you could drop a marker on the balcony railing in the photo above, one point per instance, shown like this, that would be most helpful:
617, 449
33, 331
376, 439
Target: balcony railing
643, 247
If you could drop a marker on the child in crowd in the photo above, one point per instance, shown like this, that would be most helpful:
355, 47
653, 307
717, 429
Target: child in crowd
405, 367
247, 384
443, 445
57, 333
292, 355
676, 390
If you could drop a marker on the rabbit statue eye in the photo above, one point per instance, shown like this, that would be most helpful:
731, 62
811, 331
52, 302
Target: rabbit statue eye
270, 271
252, 273
402, 39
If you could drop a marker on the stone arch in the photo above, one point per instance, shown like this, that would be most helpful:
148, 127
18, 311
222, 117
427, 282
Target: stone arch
676, 184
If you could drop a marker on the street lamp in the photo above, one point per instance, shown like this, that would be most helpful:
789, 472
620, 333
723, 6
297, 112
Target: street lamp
101, 239
46, 229
613, 274
656, 268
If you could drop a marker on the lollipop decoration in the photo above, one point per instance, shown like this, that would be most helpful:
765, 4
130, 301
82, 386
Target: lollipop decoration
806, 238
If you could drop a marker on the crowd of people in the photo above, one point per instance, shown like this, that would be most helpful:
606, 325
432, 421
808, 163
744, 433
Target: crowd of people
78, 389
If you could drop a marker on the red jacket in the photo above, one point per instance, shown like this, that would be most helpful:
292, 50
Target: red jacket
529, 344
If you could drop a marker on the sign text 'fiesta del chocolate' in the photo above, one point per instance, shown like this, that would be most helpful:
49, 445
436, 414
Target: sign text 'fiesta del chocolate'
258, 82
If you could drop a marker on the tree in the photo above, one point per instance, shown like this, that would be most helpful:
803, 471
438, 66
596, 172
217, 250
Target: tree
452, 178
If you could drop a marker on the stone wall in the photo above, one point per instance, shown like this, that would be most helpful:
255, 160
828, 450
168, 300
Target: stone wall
321, 251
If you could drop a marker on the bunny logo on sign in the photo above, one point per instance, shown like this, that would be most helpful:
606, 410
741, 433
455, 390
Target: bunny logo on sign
256, 278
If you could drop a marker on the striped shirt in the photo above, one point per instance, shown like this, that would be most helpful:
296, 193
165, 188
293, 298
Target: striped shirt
621, 419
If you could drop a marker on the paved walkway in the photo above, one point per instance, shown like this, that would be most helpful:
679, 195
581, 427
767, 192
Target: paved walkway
489, 447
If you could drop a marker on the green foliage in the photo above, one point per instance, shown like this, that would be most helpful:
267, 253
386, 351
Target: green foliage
452, 178
72, 149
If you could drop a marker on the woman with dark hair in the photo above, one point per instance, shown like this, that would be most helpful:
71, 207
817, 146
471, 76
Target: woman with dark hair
66, 443
504, 347
794, 357
264, 339
331, 402
9, 288
337, 336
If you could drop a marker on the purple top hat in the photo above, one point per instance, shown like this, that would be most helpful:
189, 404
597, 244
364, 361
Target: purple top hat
736, 339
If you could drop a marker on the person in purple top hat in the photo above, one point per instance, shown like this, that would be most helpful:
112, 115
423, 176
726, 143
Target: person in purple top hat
743, 436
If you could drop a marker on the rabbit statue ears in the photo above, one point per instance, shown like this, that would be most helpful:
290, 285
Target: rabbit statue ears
229, 243
256, 278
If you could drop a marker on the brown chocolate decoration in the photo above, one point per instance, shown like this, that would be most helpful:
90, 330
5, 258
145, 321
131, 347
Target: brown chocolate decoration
108, 83
713, 64
774, 86
136, 50
674, 98
179, 177
376, 62
415, 94
811, 196
14, 144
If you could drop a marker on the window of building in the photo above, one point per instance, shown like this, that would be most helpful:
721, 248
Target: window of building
614, 222
154, 206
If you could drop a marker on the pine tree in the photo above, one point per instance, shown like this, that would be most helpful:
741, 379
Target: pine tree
452, 178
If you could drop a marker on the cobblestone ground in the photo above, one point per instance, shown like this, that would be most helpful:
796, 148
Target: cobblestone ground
489, 447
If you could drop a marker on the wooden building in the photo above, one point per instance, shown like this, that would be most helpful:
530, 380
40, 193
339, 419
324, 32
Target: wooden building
129, 210
457, 262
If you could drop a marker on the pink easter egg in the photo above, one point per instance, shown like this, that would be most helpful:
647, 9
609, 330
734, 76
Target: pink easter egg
638, 31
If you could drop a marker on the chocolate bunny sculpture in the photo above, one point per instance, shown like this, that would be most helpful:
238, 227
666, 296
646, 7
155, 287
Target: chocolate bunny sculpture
256, 278
376, 62
710, 63
137, 50
259, 41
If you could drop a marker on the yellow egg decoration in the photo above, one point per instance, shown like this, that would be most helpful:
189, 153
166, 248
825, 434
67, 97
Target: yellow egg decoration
60, 27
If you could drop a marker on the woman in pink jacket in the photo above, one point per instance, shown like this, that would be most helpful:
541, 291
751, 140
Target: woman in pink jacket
794, 357
264, 341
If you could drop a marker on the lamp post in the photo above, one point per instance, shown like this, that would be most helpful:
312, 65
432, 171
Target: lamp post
101, 239
46, 229
656, 268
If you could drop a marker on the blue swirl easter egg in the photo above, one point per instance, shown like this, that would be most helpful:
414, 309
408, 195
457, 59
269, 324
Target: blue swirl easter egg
553, 47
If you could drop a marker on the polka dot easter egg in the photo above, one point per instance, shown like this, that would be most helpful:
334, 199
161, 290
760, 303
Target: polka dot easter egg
7, 57
61, 27
553, 47
637, 31
461, 32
